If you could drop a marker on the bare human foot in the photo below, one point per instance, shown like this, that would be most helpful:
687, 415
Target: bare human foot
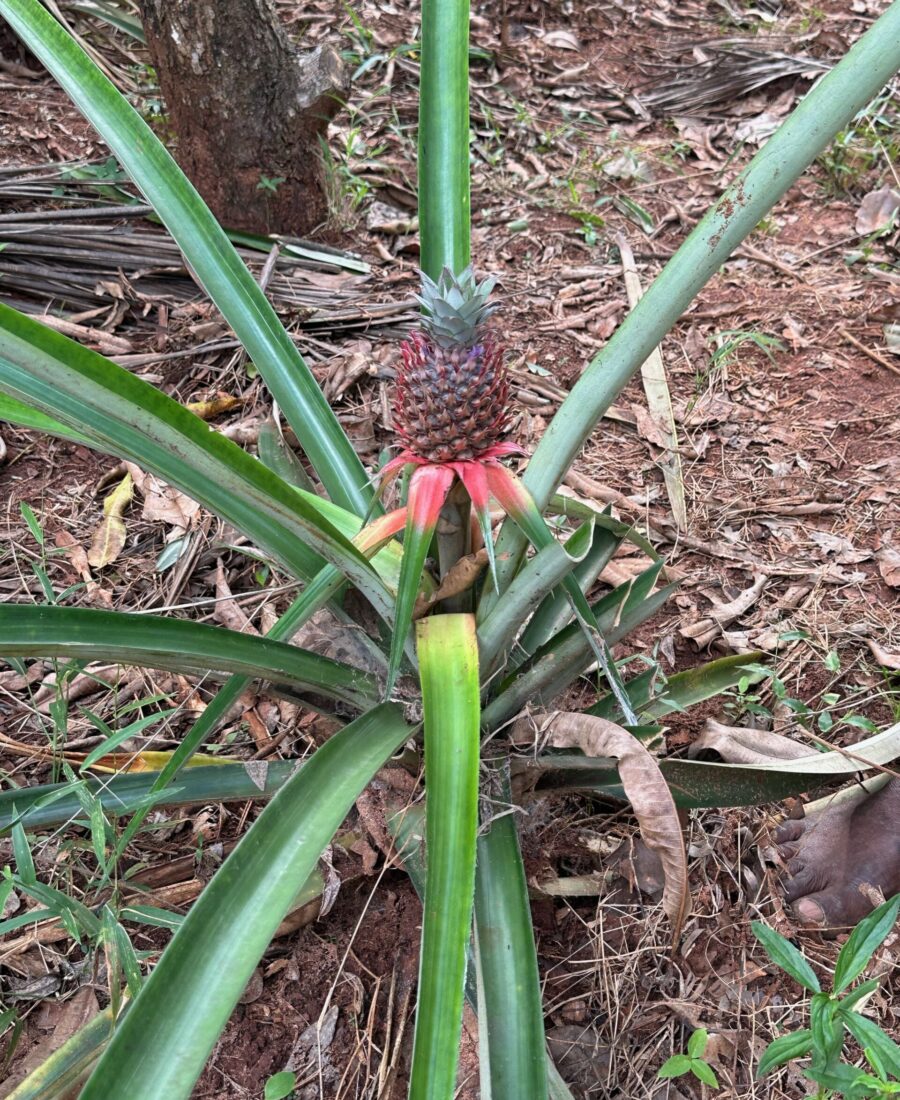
830, 855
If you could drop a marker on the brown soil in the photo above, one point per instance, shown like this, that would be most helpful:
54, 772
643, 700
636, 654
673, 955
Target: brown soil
791, 471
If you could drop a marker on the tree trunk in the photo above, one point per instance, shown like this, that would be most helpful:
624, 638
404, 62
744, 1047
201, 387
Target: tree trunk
248, 109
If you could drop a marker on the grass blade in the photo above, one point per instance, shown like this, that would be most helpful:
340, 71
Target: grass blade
207, 248
162, 1044
448, 670
56, 1077
316, 594
51, 805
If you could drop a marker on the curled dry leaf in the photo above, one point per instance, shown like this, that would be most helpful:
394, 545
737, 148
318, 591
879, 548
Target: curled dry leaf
562, 40
460, 578
888, 558
162, 503
876, 210
741, 745
228, 612
109, 537
885, 657
723, 614
648, 793
215, 406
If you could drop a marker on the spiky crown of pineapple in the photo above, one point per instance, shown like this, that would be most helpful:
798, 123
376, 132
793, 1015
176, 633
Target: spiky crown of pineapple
452, 389
456, 307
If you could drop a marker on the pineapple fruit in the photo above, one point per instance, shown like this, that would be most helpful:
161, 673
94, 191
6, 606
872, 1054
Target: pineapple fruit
452, 389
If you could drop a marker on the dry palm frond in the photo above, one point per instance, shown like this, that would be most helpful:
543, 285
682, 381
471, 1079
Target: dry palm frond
106, 253
729, 70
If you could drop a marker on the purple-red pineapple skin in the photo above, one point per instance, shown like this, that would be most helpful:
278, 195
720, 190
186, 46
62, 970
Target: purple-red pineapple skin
450, 404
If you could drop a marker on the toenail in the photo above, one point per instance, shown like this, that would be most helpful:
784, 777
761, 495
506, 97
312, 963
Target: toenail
809, 911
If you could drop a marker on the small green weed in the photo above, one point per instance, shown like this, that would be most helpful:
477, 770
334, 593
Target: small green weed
692, 1062
825, 713
280, 1085
831, 1015
870, 140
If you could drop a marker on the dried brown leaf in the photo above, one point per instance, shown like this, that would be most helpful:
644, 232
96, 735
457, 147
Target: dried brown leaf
845, 553
460, 578
876, 210
228, 612
109, 537
648, 793
888, 559
885, 657
740, 745
162, 503
215, 406
562, 40
65, 1017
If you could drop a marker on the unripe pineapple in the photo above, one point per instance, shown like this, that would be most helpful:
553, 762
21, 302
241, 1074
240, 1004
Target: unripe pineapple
452, 388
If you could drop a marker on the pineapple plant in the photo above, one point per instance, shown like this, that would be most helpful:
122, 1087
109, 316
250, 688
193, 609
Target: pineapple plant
452, 388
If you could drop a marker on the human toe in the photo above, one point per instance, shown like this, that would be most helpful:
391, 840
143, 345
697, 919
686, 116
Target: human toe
809, 911
789, 830
806, 880
832, 908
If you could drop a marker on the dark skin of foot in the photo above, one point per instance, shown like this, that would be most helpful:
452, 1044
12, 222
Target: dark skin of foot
830, 855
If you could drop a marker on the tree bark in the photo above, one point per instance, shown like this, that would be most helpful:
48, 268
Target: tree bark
247, 108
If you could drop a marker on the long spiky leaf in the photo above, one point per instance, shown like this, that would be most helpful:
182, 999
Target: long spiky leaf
522, 509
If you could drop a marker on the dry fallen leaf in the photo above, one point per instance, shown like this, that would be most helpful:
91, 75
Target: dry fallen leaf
460, 578
562, 40
876, 210
648, 793
884, 656
215, 406
845, 553
741, 745
162, 503
67, 1018
78, 559
109, 537
228, 611
888, 560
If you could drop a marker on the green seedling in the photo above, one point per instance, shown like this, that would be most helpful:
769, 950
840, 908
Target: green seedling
691, 1062
834, 1016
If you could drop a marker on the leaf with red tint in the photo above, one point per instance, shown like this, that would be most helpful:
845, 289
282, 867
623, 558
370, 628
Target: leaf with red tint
473, 475
428, 490
382, 530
